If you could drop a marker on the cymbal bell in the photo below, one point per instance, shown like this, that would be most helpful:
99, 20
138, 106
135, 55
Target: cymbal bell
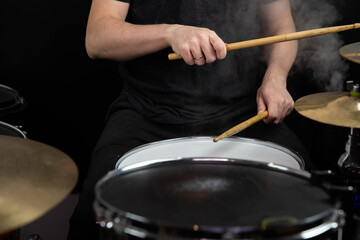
34, 177
351, 52
335, 108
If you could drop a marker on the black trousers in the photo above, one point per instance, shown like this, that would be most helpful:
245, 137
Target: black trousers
127, 129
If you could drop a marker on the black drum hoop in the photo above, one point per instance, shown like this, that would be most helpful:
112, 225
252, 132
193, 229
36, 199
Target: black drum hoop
12, 104
12, 129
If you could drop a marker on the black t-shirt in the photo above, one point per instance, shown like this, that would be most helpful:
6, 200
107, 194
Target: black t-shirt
173, 92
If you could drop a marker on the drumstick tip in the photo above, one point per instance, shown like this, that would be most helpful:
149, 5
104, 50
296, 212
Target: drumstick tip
218, 138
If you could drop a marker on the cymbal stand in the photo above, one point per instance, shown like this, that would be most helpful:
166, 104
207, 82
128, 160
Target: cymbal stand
349, 164
350, 160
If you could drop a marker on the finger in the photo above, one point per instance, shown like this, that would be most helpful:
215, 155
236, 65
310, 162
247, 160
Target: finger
274, 112
289, 111
198, 57
272, 118
285, 110
282, 112
260, 106
187, 57
279, 117
291, 108
209, 53
219, 47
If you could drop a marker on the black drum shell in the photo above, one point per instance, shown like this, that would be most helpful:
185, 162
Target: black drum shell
156, 206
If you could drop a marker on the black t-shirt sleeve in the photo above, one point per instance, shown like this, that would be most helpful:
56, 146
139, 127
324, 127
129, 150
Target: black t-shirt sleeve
127, 1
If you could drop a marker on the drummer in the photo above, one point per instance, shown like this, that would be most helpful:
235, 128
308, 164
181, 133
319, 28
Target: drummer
204, 94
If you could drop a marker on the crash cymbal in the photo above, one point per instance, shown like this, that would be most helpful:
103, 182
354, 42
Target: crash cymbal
351, 52
34, 178
335, 108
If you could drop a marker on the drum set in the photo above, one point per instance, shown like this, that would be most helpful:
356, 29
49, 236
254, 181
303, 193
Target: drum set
192, 188
237, 188
35, 177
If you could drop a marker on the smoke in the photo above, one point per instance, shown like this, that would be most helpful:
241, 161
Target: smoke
319, 55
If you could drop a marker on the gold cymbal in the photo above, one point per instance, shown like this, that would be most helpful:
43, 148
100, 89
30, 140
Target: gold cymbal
351, 52
335, 108
34, 178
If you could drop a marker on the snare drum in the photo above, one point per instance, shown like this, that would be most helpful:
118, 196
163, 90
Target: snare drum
214, 198
234, 147
10, 130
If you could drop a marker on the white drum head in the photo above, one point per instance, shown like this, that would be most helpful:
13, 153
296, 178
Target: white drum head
233, 148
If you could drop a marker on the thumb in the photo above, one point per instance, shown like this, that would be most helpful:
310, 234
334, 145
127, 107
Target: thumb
261, 106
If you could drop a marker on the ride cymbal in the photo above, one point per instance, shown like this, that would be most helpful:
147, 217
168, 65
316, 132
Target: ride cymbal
335, 108
351, 52
34, 178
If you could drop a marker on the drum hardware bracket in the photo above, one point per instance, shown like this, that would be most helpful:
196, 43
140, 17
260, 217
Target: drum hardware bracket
353, 87
350, 160
332, 182
321, 175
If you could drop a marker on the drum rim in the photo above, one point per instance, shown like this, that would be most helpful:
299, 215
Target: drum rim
15, 129
300, 160
153, 163
9, 105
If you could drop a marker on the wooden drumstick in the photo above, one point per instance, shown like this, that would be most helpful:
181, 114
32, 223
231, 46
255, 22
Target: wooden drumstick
281, 38
242, 126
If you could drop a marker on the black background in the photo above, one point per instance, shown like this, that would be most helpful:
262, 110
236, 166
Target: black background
43, 57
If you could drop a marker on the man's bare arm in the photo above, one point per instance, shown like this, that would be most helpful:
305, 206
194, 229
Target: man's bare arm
110, 36
272, 94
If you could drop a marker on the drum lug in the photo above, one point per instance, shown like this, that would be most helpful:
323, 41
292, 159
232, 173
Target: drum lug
21, 128
21, 100
342, 216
